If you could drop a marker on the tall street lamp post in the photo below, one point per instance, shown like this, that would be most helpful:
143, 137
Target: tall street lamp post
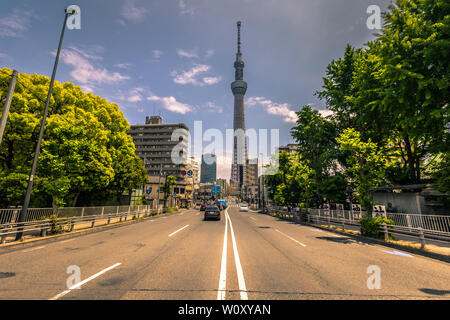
26, 202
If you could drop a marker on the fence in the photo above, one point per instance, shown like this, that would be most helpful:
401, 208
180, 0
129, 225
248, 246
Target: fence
35, 214
69, 223
431, 227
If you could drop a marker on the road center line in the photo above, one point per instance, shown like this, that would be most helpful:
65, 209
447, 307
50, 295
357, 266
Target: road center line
223, 267
240, 273
79, 284
178, 230
252, 218
290, 238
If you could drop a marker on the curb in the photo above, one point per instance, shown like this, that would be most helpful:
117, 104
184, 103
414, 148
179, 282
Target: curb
428, 254
15, 246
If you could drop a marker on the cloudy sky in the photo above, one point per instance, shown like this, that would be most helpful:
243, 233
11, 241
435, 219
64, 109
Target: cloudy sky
175, 57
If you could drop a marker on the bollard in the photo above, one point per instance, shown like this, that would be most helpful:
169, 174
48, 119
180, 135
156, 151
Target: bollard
3, 237
329, 222
386, 232
422, 238
93, 222
72, 225
44, 232
343, 224
109, 220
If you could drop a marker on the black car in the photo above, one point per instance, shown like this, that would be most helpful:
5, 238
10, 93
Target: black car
212, 211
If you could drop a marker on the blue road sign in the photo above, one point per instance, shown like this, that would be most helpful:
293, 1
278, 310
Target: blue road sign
190, 173
148, 191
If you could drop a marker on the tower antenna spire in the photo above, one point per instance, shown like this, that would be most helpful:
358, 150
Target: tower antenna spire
239, 36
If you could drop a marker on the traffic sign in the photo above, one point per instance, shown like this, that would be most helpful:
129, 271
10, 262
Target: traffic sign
148, 191
183, 172
190, 173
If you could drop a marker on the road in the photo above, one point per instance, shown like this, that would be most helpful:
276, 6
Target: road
253, 256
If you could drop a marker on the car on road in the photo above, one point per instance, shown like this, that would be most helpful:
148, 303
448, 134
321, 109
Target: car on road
212, 211
243, 208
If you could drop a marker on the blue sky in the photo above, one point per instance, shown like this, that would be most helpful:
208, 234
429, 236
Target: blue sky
175, 57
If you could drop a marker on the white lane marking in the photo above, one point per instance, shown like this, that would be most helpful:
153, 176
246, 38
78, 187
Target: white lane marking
290, 238
223, 267
240, 273
178, 230
197, 213
64, 241
33, 249
398, 253
316, 230
79, 284
252, 218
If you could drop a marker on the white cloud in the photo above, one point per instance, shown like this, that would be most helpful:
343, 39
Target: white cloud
171, 104
157, 54
130, 12
189, 76
187, 54
136, 95
212, 107
3, 55
325, 113
209, 53
184, 9
85, 72
16, 23
193, 76
211, 80
279, 109
123, 65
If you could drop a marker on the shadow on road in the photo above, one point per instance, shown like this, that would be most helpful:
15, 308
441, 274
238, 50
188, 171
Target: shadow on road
435, 291
338, 239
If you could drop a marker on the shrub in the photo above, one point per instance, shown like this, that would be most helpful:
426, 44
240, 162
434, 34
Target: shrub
371, 226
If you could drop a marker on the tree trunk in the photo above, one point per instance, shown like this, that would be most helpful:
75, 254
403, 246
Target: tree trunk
74, 202
411, 160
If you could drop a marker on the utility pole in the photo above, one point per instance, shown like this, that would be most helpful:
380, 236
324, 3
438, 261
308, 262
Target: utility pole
26, 202
159, 187
9, 97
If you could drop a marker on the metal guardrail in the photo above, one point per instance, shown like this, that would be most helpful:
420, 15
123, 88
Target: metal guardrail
423, 227
68, 223
34, 214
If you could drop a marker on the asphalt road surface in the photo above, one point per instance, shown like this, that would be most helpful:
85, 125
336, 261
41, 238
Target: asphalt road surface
245, 255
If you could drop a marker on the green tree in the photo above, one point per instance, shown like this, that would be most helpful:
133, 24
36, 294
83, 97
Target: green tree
367, 164
167, 187
85, 152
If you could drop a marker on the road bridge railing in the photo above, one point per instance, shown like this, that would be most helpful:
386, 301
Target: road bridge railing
421, 227
58, 224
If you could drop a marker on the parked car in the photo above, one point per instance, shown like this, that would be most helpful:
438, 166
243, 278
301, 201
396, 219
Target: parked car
212, 211
243, 208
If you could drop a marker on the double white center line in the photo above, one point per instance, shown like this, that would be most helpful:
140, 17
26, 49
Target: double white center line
223, 269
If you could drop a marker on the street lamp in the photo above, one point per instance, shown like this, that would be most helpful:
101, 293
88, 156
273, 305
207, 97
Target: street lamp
26, 202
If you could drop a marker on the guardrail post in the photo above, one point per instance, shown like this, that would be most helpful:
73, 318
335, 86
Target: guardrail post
109, 219
3, 237
386, 232
44, 231
422, 238
82, 212
103, 211
408, 221
329, 222
93, 222
72, 224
